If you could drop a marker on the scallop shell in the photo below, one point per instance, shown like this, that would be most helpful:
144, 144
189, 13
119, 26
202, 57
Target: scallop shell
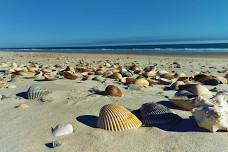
211, 118
157, 114
35, 92
61, 130
112, 90
196, 89
117, 118
141, 82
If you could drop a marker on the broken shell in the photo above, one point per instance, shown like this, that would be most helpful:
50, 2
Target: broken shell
112, 90
70, 75
117, 118
157, 114
196, 89
61, 130
141, 82
211, 118
22, 105
183, 102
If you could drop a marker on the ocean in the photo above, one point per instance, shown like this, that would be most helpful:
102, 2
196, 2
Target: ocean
182, 49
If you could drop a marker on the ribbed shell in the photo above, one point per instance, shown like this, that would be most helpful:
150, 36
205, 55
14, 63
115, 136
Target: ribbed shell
35, 92
156, 114
117, 118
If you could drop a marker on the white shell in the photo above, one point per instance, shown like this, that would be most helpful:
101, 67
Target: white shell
211, 118
61, 130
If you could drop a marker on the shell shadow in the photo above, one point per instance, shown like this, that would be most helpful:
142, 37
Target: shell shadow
88, 120
95, 91
22, 94
185, 125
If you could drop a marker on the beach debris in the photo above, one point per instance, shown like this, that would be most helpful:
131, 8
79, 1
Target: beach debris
117, 118
36, 92
112, 90
22, 105
157, 114
141, 82
62, 129
70, 75
211, 118
196, 89
54, 144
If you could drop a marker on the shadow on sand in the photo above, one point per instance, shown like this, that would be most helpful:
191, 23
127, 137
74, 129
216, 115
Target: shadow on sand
88, 120
22, 94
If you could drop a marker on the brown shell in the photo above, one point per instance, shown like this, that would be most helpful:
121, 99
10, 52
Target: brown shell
206, 79
130, 80
70, 75
168, 76
112, 90
117, 118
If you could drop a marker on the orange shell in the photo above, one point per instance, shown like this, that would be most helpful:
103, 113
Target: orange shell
117, 118
70, 75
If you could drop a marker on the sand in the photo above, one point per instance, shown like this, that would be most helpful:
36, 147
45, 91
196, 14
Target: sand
27, 130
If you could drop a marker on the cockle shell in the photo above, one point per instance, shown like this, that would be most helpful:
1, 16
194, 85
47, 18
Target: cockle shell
112, 90
117, 118
61, 130
196, 89
35, 92
156, 114
130, 80
184, 102
141, 82
211, 118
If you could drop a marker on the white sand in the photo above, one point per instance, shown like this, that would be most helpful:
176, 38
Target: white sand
28, 130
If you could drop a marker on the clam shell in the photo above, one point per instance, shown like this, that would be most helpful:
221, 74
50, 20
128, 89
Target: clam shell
35, 92
117, 76
117, 118
61, 130
206, 79
211, 118
157, 114
112, 90
141, 82
196, 89
130, 80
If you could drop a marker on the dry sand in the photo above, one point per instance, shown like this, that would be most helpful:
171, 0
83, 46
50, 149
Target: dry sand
28, 130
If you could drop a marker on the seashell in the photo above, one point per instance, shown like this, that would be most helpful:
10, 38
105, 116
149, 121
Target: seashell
168, 76
221, 79
117, 118
22, 105
164, 81
162, 72
205, 79
156, 114
70, 75
196, 89
61, 130
184, 93
115, 70
112, 90
99, 72
150, 68
49, 77
117, 76
99, 78
183, 102
137, 69
130, 80
38, 75
175, 85
152, 73
35, 92
141, 82
211, 118
126, 73
2, 84
107, 74
4, 65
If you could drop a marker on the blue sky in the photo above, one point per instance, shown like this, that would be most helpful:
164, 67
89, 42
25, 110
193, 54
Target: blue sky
31, 23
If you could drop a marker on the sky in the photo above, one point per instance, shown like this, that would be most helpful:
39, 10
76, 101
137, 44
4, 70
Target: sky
43, 23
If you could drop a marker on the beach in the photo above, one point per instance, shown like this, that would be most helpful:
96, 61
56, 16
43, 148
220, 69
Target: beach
76, 102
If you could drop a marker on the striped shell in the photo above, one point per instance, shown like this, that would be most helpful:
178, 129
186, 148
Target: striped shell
117, 118
35, 92
156, 114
